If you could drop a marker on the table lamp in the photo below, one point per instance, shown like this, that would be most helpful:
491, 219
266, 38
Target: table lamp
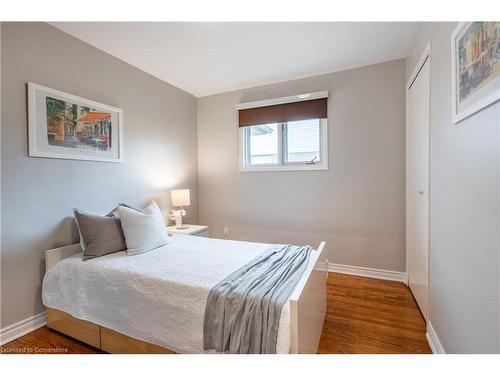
180, 198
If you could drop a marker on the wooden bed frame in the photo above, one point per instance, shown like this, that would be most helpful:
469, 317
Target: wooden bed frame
307, 313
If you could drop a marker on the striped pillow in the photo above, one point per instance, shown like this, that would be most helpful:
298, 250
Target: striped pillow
145, 230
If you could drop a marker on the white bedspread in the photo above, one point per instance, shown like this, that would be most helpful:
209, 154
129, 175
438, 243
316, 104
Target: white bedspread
159, 296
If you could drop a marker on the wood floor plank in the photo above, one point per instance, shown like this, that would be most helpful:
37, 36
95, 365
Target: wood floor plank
365, 316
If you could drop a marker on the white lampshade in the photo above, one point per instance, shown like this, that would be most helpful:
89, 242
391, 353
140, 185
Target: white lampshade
180, 197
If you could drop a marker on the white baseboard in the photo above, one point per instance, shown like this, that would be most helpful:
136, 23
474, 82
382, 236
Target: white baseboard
433, 340
21, 328
368, 272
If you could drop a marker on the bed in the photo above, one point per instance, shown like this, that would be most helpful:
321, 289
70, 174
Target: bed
154, 302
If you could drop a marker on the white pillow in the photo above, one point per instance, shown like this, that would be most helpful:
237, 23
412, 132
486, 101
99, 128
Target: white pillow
143, 230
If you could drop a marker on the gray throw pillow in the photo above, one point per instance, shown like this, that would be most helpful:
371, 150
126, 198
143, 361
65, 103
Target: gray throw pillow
99, 235
113, 213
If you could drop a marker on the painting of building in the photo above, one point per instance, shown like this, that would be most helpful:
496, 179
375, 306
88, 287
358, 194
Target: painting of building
478, 57
75, 126
66, 126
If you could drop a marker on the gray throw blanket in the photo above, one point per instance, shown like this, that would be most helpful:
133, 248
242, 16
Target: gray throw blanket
243, 310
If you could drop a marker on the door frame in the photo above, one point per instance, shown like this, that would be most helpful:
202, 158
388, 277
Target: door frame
426, 55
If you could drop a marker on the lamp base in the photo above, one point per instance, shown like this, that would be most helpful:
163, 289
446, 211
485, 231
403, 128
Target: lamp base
179, 224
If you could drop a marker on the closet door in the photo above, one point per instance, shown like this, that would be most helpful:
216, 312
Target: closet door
417, 184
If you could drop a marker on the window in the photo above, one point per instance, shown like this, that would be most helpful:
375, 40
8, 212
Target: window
292, 145
302, 141
283, 134
263, 144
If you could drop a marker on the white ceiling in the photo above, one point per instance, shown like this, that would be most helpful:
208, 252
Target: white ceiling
210, 58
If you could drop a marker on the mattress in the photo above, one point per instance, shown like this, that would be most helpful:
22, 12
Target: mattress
159, 296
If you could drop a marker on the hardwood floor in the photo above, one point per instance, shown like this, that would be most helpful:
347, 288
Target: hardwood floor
364, 316
47, 341
369, 316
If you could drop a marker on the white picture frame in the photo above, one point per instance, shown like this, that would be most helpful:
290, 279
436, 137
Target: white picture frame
77, 129
480, 97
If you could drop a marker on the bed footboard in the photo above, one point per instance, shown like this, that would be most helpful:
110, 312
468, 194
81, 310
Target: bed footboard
308, 306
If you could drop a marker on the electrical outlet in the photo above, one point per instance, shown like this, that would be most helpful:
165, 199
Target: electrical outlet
226, 233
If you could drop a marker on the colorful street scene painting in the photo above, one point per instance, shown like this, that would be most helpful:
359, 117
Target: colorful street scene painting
76, 126
478, 57
66, 126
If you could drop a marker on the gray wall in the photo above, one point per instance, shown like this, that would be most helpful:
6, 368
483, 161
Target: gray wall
465, 210
0, 163
357, 206
39, 194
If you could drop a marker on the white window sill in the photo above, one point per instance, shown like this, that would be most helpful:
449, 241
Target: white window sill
285, 168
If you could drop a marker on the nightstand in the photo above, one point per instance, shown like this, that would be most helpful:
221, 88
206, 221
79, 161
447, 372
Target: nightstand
192, 230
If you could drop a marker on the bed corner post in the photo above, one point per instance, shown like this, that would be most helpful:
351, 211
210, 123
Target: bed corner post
308, 306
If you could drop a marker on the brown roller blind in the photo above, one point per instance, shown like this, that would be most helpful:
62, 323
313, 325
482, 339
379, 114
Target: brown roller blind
304, 110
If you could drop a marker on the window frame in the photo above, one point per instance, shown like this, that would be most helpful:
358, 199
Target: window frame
282, 164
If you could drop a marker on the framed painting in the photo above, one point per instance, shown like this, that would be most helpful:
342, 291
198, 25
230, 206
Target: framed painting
475, 67
66, 126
